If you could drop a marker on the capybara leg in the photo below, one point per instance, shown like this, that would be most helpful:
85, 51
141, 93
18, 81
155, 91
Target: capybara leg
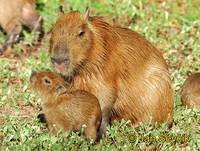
103, 126
170, 121
13, 37
107, 99
32, 20
104, 123
91, 132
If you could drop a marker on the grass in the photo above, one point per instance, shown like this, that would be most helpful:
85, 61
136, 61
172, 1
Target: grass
172, 26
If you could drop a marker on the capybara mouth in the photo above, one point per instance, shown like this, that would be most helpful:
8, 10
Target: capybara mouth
61, 65
61, 68
67, 78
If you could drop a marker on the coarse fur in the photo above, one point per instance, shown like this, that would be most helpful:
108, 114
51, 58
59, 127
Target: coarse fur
69, 110
14, 14
190, 92
127, 74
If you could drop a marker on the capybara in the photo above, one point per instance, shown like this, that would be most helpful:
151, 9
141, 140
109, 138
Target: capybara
190, 92
66, 109
127, 74
17, 13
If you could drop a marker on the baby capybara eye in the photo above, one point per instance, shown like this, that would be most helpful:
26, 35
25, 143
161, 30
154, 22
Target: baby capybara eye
47, 81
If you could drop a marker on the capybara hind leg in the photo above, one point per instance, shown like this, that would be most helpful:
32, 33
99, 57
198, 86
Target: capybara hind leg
13, 37
91, 129
91, 132
170, 121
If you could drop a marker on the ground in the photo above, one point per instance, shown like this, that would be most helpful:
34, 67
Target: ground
172, 26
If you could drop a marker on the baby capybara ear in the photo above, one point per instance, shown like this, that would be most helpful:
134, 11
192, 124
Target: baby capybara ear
61, 10
60, 89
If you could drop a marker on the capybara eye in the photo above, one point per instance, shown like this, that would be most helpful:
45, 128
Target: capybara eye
46, 81
81, 34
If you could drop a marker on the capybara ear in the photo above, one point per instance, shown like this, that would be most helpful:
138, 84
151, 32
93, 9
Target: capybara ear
71, 8
32, 77
61, 89
62, 6
61, 10
87, 14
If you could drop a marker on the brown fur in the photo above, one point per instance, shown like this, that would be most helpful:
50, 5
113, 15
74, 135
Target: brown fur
14, 14
128, 75
190, 92
64, 108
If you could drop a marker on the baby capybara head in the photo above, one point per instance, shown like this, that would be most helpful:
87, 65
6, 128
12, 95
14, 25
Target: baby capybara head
47, 82
71, 42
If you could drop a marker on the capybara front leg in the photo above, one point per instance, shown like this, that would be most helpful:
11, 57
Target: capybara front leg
104, 122
107, 98
13, 37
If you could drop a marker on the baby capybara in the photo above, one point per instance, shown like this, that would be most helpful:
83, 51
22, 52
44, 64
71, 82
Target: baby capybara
190, 92
66, 109
127, 73
17, 13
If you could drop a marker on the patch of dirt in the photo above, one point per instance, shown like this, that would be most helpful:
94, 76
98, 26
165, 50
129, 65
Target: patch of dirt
1, 121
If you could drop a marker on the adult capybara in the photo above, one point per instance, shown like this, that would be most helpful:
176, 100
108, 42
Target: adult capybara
121, 68
190, 92
13, 15
66, 109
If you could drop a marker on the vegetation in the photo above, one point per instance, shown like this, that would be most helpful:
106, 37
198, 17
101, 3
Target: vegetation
172, 26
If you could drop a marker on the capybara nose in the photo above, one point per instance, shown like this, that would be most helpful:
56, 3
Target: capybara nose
32, 75
66, 61
59, 61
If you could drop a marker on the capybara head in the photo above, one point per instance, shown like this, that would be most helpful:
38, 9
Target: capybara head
71, 42
47, 82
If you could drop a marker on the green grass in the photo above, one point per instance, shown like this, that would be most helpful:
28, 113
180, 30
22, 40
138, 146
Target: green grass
172, 26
